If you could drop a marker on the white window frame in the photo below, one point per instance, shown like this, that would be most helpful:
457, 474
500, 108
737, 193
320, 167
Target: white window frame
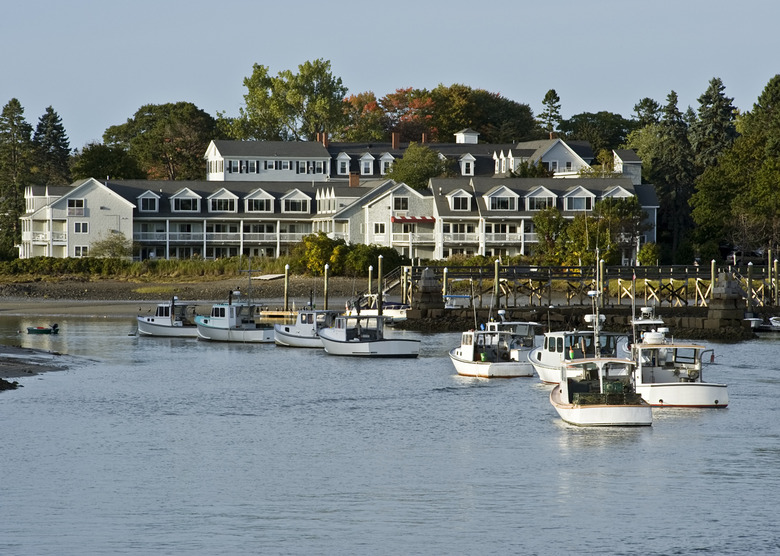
80, 251
457, 199
379, 228
150, 199
268, 203
587, 201
81, 227
401, 203
494, 202
76, 207
177, 201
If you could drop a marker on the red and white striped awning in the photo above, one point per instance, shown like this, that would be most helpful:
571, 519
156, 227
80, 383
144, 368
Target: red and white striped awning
419, 219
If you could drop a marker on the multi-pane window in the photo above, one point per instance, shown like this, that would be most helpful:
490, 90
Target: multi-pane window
75, 207
502, 203
148, 204
400, 203
379, 228
80, 250
539, 203
223, 205
296, 205
258, 205
81, 227
185, 204
387, 165
579, 203
343, 167
461, 203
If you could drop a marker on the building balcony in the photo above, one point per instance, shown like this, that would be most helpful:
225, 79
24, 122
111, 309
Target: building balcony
45, 237
460, 238
504, 238
415, 239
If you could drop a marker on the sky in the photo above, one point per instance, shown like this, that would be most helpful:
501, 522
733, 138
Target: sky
96, 62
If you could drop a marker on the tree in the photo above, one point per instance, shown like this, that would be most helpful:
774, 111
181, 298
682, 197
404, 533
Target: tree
550, 229
418, 165
673, 175
291, 106
527, 169
648, 112
497, 119
410, 113
317, 250
52, 150
550, 118
114, 246
365, 119
736, 200
603, 130
100, 161
167, 140
17, 154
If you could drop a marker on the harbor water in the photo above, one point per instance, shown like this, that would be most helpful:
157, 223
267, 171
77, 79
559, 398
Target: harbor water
179, 446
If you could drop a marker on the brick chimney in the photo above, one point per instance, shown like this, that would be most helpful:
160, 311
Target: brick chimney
396, 140
325, 139
354, 179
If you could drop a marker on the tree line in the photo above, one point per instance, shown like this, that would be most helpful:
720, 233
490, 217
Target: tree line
715, 170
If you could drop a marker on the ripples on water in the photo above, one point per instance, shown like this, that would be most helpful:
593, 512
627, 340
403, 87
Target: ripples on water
184, 447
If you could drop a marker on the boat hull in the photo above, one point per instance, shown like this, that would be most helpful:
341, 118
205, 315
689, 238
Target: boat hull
242, 335
601, 415
490, 369
42, 330
150, 326
684, 394
285, 336
399, 348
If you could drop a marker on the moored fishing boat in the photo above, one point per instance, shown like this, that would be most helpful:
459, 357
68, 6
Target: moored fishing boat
598, 392
490, 354
364, 335
234, 321
305, 332
171, 319
668, 373
560, 347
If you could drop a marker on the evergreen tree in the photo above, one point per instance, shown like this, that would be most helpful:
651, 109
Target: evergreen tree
52, 149
16, 158
648, 112
100, 161
673, 175
715, 129
550, 118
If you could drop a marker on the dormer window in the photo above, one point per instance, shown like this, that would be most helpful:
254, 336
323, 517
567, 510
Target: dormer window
222, 205
502, 203
186, 204
540, 203
258, 205
366, 167
579, 203
148, 204
296, 205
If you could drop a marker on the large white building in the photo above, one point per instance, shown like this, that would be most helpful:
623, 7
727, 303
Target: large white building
261, 198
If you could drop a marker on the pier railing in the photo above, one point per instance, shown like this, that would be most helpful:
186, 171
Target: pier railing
671, 285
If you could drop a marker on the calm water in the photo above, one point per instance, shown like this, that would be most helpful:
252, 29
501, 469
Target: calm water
156, 446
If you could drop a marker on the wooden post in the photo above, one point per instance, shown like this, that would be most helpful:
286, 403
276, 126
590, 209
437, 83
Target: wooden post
370, 273
327, 268
444, 284
286, 286
712, 278
750, 288
379, 286
496, 290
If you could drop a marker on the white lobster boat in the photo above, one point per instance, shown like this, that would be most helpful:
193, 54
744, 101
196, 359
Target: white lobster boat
234, 321
491, 354
669, 373
172, 319
364, 335
561, 347
598, 392
305, 332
